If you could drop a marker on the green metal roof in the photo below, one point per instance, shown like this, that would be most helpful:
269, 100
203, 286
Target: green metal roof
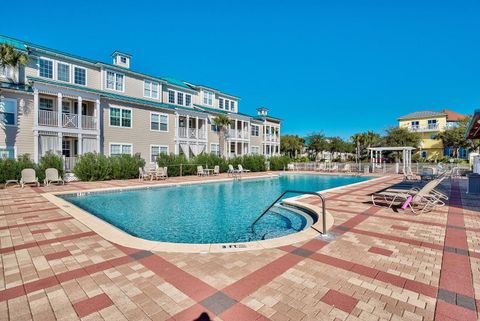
18, 44
176, 82
17, 87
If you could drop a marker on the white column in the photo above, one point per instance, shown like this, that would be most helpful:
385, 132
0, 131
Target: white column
59, 110
35, 110
97, 124
80, 144
79, 110
205, 129
187, 126
197, 128
35, 144
235, 132
176, 127
59, 144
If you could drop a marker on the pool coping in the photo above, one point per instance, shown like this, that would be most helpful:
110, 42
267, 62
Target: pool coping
115, 235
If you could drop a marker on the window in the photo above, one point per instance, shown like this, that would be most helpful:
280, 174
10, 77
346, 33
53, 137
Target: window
423, 154
227, 107
150, 89
46, 104
117, 149
114, 81
8, 112
215, 149
188, 100
255, 150
432, 124
7, 152
215, 128
123, 59
159, 122
232, 105
156, 150
220, 103
171, 97
207, 98
180, 98
255, 130
120, 117
80, 76
63, 72
45, 68
6, 72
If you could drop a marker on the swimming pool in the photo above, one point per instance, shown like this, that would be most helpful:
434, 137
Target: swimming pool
220, 212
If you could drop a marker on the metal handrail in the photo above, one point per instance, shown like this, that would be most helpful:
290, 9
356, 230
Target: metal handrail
324, 222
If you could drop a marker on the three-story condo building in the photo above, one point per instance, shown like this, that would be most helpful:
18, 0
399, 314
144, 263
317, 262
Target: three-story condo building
71, 105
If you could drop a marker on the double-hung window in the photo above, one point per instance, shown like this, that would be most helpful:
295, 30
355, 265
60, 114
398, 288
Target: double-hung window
188, 100
8, 112
45, 68
179, 98
114, 81
117, 149
156, 150
171, 97
215, 149
63, 72
220, 103
45, 104
120, 117
150, 89
255, 130
80, 76
432, 124
227, 107
255, 150
207, 97
159, 122
232, 105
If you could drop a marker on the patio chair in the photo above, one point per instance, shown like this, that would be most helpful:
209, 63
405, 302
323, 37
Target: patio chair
29, 177
160, 173
165, 172
347, 168
52, 176
242, 170
232, 171
425, 198
200, 171
142, 174
216, 170
334, 168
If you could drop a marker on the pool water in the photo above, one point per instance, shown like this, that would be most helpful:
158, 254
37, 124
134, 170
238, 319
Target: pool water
207, 213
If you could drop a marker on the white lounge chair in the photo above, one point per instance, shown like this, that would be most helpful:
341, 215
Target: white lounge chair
29, 177
347, 168
160, 173
232, 171
51, 176
242, 170
216, 170
142, 174
201, 171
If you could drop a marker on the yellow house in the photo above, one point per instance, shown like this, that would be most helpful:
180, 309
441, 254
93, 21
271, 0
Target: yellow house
428, 124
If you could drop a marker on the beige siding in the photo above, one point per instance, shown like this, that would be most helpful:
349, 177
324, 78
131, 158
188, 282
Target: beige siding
20, 136
140, 135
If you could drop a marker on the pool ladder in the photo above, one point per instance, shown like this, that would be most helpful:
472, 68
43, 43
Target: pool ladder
324, 222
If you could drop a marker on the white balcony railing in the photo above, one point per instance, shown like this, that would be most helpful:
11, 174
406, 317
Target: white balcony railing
88, 122
191, 133
271, 138
427, 128
70, 120
47, 118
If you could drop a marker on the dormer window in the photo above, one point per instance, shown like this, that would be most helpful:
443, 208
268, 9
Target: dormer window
114, 81
207, 97
123, 59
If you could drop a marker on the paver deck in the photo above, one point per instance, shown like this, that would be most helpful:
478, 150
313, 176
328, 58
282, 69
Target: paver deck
380, 264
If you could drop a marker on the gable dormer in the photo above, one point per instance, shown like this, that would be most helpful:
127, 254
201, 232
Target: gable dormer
121, 59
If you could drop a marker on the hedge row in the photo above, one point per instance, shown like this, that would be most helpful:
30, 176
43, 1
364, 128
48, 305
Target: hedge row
98, 167
12, 168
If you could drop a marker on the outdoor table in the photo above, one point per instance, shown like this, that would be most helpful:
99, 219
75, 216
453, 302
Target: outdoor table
209, 171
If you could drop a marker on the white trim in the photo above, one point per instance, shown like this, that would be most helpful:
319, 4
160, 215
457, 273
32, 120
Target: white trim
218, 148
86, 76
159, 114
57, 62
114, 80
121, 147
159, 150
175, 98
14, 150
110, 106
15, 113
255, 146
151, 87
53, 67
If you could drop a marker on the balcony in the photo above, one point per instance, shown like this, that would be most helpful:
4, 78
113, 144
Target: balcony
427, 128
271, 138
238, 134
50, 118
191, 133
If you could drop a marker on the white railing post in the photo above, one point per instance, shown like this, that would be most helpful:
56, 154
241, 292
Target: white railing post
79, 112
59, 109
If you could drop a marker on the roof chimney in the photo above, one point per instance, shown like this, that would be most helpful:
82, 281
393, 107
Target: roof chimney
121, 59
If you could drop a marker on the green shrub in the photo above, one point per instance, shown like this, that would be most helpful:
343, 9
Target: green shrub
125, 166
49, 160
172, 162
92, 167
11, 168
255, 163
279, 163
210, 160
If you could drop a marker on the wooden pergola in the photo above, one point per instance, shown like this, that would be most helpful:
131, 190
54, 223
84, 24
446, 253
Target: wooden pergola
376, 155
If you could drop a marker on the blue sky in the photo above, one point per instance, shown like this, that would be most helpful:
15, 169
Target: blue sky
334, 66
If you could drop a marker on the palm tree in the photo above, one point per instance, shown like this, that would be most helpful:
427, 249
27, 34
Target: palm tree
9, 56
223, 123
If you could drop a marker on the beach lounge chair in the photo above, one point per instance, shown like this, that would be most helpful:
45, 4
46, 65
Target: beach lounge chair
29, 177
425, 198
142, 174
216, 170
232, 171
51, 176
242, 170
347, 168
160, 173
165, 172
200, 171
